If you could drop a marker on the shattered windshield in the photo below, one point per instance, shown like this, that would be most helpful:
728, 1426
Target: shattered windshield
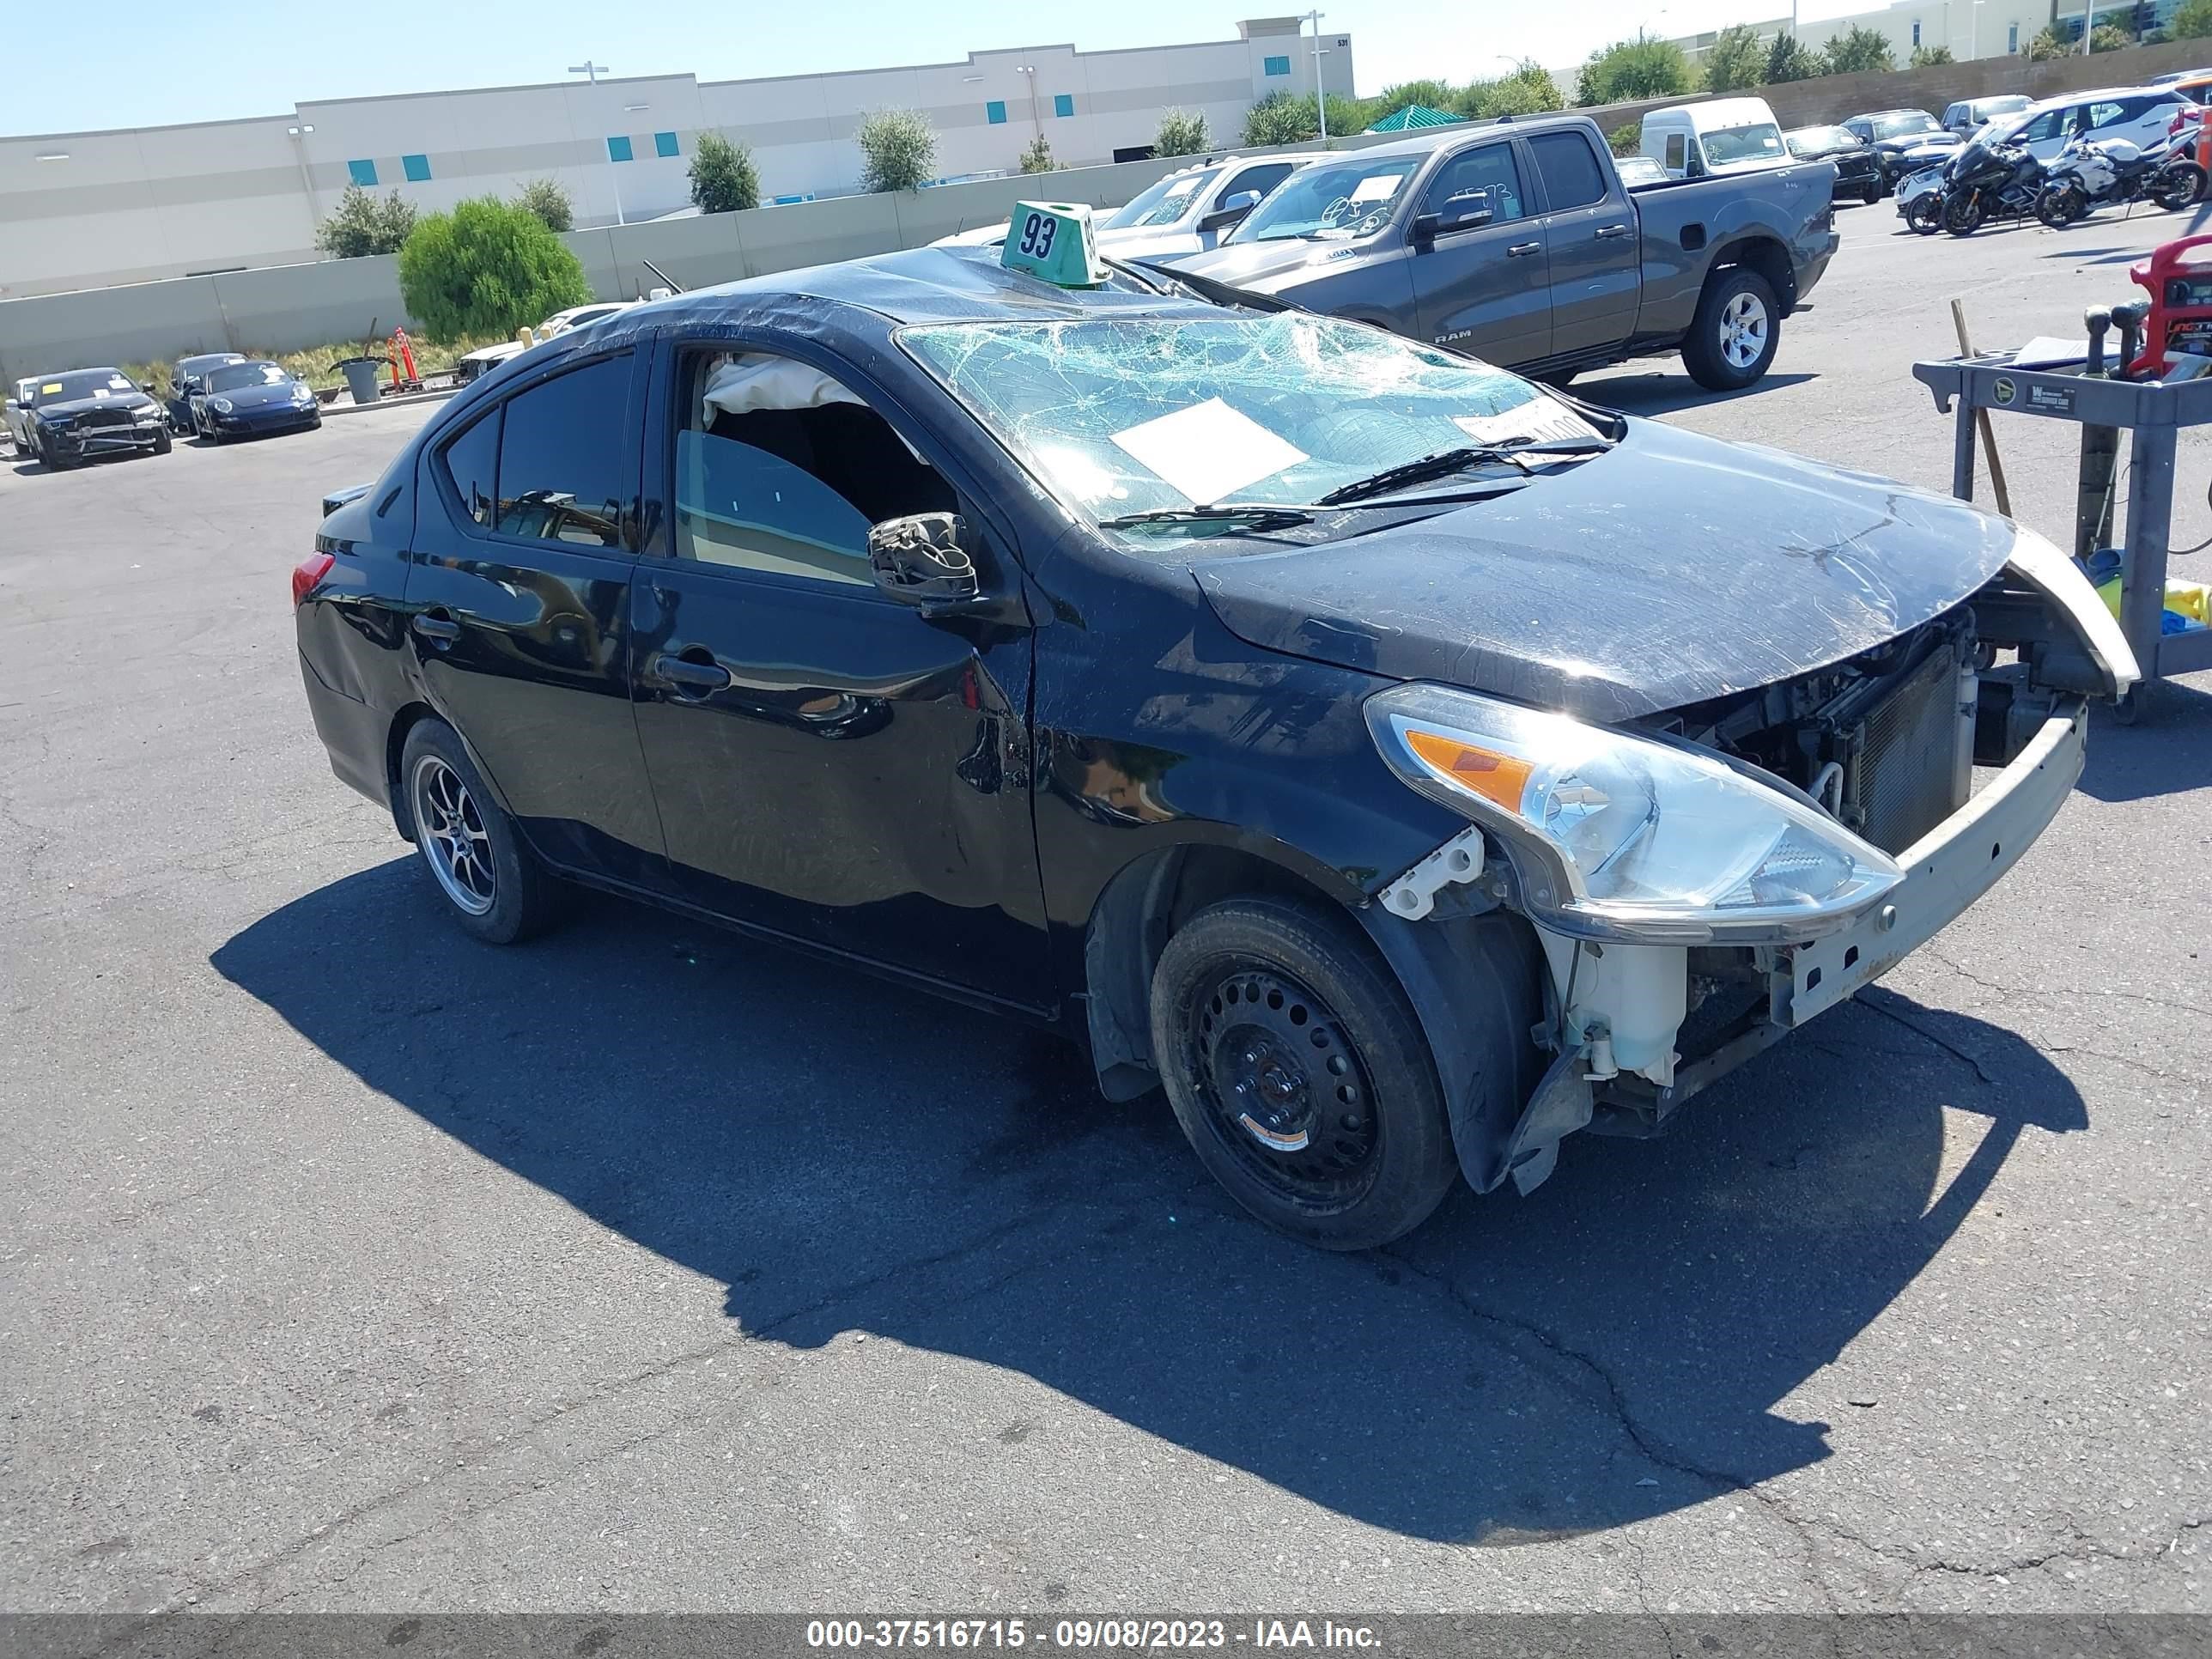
1332, 200
1164, 204
1132, 415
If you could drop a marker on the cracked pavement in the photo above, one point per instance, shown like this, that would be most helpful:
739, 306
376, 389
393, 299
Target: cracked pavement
345, 1265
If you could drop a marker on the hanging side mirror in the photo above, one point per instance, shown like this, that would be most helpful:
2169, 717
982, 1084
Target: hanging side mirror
922, 560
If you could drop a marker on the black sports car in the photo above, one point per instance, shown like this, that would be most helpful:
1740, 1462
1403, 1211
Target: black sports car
1401, 764
82, 413
184, 376
1858, 167
247, 398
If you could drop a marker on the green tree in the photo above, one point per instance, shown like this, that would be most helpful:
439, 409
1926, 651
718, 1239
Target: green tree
1530, 90
1289, 117
1859, 51
2045, 46
1038, 158
361, 224
2191, 20
1930, 56
723, 177
1645, 67
550, 201
1627, 139
1736, 60
2110, 37
1183, 132
485, 270
898, 150
1790, 59
1429, 95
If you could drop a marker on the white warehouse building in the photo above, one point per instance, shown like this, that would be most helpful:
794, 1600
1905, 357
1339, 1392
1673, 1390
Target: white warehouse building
92, 209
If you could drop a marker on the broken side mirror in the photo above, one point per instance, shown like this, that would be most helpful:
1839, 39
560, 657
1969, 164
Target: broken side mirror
922, 560
1232, 212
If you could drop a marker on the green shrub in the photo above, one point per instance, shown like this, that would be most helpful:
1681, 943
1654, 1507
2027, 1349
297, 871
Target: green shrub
1530, 90
548, 200
1183, 133
1038, 158
361, 224
2110, 37
898, 150
2191, 20
723, 177
2045, 46
1627, 139
487, 268
1645, 67
1931, 57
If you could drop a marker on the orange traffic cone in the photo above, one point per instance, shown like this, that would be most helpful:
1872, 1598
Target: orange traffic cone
403, 357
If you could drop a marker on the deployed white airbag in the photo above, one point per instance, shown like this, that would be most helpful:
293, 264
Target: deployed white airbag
740, 385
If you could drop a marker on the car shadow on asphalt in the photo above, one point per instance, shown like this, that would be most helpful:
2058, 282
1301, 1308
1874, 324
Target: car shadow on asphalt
1653, 1328
2168, 751
1656, 393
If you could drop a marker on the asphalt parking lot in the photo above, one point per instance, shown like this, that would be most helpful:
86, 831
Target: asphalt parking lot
345, 1264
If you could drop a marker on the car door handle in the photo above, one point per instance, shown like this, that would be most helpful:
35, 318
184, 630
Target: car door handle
1605, 232
685, 675
1520, 248
444, 629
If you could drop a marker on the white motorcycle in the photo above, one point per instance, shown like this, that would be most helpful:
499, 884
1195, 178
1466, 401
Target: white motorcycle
2094, 172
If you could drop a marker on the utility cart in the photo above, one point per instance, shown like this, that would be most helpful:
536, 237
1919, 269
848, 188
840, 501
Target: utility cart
2152, 414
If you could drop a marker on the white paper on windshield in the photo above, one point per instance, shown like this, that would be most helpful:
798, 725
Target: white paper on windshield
100, 391
1539, 420
1208, 452
117, 383
1379, 188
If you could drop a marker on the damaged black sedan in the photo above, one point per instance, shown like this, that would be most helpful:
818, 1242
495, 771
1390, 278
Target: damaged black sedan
1402, 765
84, 413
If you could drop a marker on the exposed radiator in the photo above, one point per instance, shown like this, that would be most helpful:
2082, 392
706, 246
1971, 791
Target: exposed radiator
1911, 765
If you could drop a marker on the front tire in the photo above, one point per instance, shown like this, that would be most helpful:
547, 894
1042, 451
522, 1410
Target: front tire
1734, 336
1962, 216
161, 441
492, 884
1299, 1073
2061, 206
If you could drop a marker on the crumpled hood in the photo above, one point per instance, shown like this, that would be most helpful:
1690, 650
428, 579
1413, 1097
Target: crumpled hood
71, 411
1260, 266
1673, 568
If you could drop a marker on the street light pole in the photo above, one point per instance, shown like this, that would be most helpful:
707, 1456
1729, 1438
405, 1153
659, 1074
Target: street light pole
1320, 98
592, 72
1036, 116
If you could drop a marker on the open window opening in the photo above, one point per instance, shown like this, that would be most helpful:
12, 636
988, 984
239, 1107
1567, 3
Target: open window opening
780, 468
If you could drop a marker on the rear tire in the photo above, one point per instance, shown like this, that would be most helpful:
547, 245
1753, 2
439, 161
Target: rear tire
1734, 335
493, 884
2179, 186
1923, 214
2061, 207
1298, 1072
1872, 194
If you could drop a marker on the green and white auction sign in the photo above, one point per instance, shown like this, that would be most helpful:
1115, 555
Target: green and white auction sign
1054, 241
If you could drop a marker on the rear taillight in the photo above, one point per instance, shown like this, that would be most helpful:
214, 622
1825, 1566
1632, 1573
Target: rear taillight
308, 573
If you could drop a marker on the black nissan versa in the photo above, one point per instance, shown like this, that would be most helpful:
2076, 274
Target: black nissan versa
1403, 765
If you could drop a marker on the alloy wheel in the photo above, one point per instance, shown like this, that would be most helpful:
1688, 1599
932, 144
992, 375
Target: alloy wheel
454, 840
1743, 330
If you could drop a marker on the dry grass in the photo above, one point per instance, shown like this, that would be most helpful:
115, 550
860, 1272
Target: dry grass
317, 366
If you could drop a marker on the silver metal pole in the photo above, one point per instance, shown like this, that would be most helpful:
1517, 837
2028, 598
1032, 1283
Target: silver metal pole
1320, 98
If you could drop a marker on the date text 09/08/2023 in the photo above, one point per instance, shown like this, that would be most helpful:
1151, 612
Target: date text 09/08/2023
1132, 1634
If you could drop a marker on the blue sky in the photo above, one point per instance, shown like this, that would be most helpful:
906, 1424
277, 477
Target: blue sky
87, 66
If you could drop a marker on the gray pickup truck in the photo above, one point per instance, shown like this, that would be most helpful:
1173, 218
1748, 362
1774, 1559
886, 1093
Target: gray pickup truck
1517, 242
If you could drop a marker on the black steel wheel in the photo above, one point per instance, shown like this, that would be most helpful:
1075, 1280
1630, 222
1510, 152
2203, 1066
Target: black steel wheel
1923, 214
1299, 1073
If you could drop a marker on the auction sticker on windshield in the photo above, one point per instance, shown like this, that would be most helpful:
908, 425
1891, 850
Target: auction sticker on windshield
1381, 187
1209, 451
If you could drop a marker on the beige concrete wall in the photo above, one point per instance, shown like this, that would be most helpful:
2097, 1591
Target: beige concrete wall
290, 307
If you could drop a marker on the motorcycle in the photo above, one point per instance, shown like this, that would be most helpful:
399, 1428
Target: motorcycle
1920, 201
2090, 173
2003, 181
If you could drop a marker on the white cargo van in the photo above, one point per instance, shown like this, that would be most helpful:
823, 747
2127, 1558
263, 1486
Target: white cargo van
1723, 135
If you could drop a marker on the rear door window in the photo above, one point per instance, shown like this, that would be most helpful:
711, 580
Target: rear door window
562, 457
1569, 170
472, 462
1677, 151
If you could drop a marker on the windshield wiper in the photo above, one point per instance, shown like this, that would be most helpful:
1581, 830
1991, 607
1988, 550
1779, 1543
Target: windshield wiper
1256, 516
1445, 462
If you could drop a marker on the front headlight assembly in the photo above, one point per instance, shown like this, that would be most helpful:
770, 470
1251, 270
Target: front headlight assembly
1615, 836
221, 405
